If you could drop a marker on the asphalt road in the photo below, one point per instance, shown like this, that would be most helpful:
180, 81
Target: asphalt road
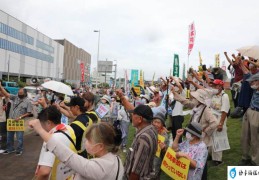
21, 167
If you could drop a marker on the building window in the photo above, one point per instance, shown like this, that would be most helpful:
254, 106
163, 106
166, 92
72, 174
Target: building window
10, 46
9, 31
44, 46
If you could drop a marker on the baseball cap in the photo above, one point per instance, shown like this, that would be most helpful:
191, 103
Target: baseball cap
218, 82
144, 111
76, 101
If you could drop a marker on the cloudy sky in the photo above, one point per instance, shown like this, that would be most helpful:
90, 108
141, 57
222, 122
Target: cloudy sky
144, 34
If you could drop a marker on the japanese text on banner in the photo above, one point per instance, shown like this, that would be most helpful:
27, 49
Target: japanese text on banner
102, 111
13, 125
160, 139
173, 167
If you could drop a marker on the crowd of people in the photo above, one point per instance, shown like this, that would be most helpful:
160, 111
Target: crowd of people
82, 137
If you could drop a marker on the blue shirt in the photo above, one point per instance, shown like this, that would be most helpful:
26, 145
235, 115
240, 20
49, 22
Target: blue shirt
255, 100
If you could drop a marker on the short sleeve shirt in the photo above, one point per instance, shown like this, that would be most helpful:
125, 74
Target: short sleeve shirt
198, 152
141, 154
47, 158
19, 107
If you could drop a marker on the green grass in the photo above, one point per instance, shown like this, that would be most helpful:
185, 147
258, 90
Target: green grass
230, 157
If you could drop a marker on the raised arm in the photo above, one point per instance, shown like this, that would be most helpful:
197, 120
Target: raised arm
6, 94
229, 60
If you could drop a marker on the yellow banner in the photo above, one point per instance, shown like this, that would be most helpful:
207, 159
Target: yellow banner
173, 167
13, 125
137, 90
160, 139
188, 94
217, 60
141, 80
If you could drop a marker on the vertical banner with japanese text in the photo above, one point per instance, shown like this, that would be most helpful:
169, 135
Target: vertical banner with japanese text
176, 66
192, 34
173, 167
134, 77
141, 80
217, 60
126, 82
82, 68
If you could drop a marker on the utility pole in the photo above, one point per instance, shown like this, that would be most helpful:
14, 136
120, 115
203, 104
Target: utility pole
8, 67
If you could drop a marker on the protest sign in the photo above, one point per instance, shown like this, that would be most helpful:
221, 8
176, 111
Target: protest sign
173, 167
102, 110
160, 139
13, 125
176, 66
137, 90
134, 77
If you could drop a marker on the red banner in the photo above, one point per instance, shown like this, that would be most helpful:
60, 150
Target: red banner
192, 34
82, 68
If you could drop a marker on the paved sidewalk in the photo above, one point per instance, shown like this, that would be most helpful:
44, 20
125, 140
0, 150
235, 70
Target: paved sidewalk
22, 167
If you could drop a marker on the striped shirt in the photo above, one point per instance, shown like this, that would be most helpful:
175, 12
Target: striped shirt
140, 157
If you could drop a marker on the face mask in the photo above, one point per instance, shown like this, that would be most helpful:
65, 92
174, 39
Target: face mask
195, 102
90, 148
255, 87
188, 136
214, 91
20, 96
251, 66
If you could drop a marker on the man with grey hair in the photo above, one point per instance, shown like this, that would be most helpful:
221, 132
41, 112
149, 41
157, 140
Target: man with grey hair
139, 159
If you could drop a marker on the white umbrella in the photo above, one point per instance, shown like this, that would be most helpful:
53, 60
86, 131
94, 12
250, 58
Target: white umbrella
250, 51
58, 87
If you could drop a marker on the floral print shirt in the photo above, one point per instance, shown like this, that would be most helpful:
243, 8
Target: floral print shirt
198, 152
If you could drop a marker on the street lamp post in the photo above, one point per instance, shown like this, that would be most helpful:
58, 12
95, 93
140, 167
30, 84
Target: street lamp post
99, 32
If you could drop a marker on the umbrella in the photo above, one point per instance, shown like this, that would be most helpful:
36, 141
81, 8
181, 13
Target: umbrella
58, 87
250, 51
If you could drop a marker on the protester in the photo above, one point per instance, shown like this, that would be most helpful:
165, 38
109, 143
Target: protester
220, 107
238, 74
114, 109
177, 117
138, 164
250, 126
4, 114
81, 123
105, 101
49, 167
159, 123
20, 109
193, 149
89, 105
124, 118
201, 113
105, 166
139, 158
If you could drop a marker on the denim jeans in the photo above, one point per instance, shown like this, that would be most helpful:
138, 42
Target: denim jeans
10, 141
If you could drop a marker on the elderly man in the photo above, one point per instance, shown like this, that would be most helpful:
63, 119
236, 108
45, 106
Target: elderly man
141, 154
21, 108
250, 133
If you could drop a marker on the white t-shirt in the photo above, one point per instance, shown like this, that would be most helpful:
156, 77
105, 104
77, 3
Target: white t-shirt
220, 103
178, 108
48, 159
